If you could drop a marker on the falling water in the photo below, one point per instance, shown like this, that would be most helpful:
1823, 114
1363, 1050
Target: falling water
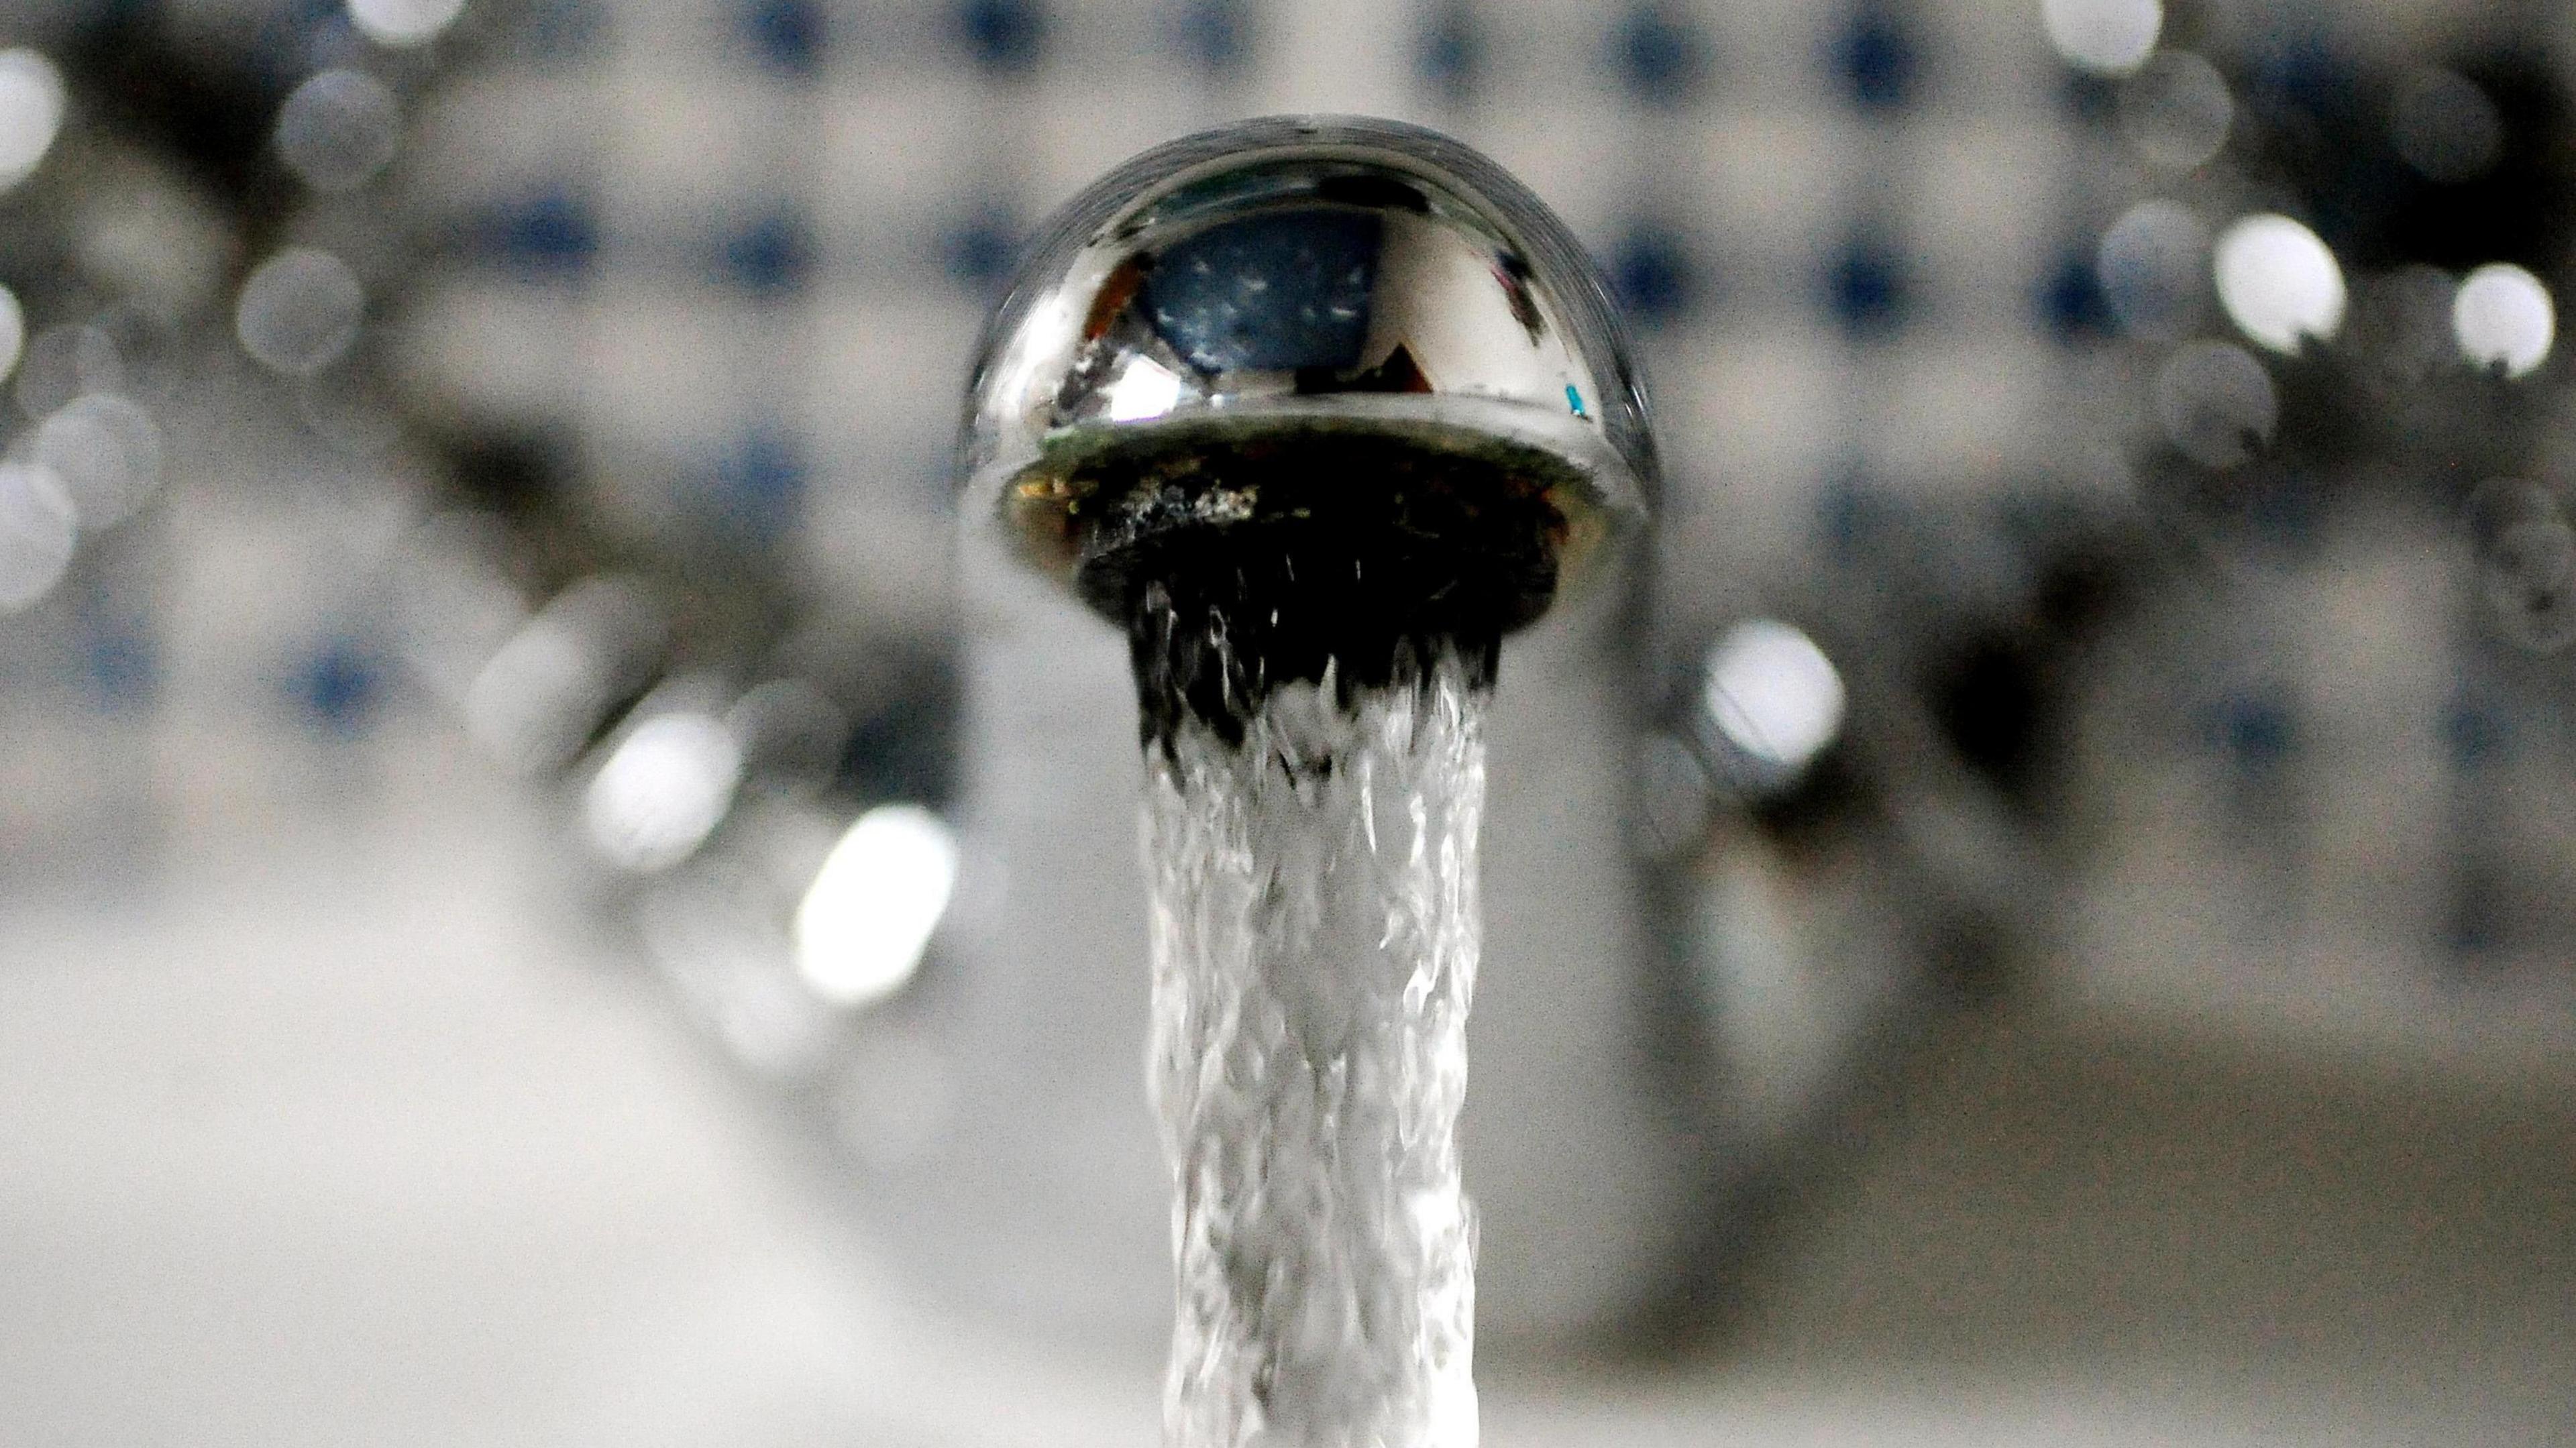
1315, 621
1313, 863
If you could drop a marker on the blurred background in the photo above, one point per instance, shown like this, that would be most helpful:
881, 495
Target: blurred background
504, 931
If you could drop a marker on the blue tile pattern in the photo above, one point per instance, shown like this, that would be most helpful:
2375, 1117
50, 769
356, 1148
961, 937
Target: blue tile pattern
1802, 208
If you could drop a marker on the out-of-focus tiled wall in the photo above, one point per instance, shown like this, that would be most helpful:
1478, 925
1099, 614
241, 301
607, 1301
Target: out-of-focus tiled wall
742, 246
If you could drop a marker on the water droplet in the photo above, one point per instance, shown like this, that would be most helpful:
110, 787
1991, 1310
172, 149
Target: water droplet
869, 913
2216, 403
534, 704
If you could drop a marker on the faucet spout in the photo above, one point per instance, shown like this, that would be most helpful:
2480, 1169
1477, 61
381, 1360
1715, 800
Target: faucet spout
1338, 390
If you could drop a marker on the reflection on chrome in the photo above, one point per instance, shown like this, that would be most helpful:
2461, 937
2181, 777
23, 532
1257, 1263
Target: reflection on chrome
2106, 37
300, 310
662, 790
2279, 282
37, 534
1326, 272
2177, 111
2504, 319
2152, 264
1145, 388
1773, 695
107, 452
31, 112
2216, 404
338, 129
403, 22
865, 921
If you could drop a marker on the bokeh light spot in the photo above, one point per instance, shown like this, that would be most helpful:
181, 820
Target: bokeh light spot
866, 919
2504, 319
107, 452
2177, 111
663, 789
2104, 37
2278, 282
403, 22
31, 112
299, 311
13, 331
338, 129
1772, 694
2151, 264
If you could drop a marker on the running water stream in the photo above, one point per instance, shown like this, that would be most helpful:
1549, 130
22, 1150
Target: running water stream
1315, 934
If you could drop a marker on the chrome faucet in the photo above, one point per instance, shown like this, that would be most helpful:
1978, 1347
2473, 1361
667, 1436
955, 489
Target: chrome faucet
1389, 337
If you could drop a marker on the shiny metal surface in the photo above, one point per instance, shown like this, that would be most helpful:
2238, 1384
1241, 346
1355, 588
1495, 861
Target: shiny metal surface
1307, 274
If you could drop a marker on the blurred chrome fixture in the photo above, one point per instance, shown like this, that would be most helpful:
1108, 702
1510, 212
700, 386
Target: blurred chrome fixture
1216, 323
